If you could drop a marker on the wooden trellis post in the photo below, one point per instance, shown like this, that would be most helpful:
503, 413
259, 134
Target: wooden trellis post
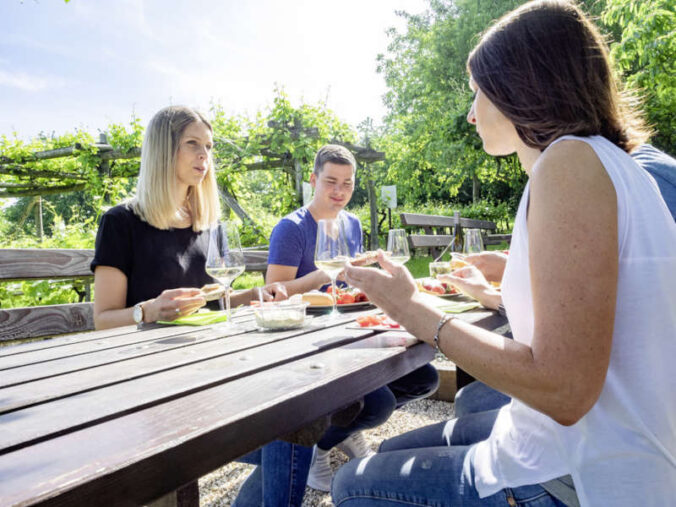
38, 218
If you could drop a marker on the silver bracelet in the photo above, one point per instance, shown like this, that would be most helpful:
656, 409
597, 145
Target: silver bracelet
444, 319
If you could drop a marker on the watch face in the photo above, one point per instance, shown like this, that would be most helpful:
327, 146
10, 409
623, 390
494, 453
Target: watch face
138, 314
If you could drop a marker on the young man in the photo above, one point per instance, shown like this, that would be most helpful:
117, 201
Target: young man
292, 243
291, 262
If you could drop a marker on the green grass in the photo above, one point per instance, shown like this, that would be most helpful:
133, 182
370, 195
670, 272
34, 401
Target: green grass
418, 266
248, 280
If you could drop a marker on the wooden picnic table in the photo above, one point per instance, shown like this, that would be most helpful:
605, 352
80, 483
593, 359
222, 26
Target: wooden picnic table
125, 416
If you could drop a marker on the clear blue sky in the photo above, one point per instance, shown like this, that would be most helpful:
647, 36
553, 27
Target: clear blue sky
88, 63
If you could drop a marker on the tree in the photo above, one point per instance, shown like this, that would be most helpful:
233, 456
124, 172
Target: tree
645, 54
431, 148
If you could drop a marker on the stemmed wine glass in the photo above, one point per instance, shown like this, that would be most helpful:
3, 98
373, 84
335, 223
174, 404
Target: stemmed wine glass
225, 260
397, 246
331, 252
473, 242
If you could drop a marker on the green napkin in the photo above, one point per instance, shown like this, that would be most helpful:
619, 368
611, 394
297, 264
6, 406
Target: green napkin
450, 305
201, 318
457, 306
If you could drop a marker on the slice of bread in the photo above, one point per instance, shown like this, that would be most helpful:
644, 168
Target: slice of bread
317, 298
213, 291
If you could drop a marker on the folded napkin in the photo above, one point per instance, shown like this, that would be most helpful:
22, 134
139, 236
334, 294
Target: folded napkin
450, 305
201, 318
457, 306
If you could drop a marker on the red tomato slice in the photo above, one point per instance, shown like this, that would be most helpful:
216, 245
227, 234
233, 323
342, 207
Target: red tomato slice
345, 299
363, 321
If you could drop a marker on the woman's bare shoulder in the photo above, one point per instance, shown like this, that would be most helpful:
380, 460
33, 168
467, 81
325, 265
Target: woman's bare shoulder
573, 154
569, 164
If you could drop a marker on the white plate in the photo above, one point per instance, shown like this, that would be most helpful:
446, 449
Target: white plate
348, 307
375, 328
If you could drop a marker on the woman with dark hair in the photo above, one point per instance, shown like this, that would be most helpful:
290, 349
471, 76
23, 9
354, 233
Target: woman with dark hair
589, 289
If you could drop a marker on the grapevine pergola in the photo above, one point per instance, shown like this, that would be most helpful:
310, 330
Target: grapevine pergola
27, 181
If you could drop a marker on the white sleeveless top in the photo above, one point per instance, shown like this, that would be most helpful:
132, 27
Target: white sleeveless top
623, 451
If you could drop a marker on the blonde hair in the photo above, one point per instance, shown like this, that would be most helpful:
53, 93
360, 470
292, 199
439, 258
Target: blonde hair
155, 199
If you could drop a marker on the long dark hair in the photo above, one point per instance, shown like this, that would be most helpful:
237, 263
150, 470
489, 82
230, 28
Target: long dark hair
546, 67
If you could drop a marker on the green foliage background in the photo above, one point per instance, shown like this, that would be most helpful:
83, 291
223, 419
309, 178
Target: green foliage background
432, 154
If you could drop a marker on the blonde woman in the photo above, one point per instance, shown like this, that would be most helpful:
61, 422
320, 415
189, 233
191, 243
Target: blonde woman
151, 251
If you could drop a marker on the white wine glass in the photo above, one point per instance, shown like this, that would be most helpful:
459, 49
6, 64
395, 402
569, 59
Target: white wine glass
331, 253
225, 259
473, 242
397, 246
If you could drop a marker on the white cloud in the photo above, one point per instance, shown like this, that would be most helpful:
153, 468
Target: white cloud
30, 83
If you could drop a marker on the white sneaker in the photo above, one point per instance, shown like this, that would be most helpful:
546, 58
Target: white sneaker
355, 446
320, 473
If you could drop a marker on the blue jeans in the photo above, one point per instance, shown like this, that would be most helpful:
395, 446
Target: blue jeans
281, 476
429, 466
379, 405
478, 397
286, 486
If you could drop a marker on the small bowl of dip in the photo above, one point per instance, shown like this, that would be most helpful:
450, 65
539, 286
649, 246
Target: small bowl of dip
280, 315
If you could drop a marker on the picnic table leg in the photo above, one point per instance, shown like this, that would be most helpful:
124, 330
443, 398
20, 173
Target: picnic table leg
185, 496
188, 495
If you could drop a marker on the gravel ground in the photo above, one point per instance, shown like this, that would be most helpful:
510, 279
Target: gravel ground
219, 488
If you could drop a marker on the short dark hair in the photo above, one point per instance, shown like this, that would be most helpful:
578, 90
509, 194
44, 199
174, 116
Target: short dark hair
333, 153
546, 67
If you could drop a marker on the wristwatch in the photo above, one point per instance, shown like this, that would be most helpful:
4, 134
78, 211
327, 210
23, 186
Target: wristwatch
138, 313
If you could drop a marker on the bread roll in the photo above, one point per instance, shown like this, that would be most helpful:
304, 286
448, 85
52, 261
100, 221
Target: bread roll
317, 298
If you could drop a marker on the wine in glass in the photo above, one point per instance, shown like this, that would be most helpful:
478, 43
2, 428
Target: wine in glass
331, 252
225, 260
473, 242
397, 246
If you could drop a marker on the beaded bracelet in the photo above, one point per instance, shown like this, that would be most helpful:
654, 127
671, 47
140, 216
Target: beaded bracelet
445, 318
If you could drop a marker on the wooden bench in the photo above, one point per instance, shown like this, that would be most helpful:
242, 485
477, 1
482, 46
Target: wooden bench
61, 264
438, 231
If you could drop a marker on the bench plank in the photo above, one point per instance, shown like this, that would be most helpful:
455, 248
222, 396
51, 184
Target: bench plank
57, 264
44, 263
38, 321
422, 220
438, 231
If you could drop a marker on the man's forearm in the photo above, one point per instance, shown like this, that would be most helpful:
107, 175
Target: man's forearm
311, 281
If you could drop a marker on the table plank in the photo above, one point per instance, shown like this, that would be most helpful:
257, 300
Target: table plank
77, 381
159, 340
99, 400
104, 462
22, 348
109, 344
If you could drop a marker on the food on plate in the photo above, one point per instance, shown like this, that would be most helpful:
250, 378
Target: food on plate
212, 291
436, 287
343, 297
318, 298
377, 321
348, 296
